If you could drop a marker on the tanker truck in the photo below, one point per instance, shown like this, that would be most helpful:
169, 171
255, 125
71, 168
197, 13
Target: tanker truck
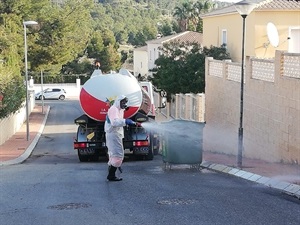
96, 96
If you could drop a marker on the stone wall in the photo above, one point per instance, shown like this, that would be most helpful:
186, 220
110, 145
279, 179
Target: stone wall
11, 124
271, 108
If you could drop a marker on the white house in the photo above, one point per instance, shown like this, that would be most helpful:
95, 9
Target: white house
144, 57
140, 61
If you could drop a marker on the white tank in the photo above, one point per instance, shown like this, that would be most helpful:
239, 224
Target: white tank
101, 90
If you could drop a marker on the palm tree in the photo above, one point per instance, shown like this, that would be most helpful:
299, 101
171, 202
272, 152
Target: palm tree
188, 14
183, 15
200, 7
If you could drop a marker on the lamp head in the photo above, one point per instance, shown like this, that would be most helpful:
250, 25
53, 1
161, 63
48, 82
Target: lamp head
245, 7
30, 22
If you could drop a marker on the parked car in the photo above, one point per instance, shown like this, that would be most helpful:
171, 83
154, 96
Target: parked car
51, 93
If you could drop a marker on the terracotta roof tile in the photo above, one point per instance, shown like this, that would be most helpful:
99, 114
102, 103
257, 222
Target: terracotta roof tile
163, 39
279, 4
190, 36
187, 36
262, 5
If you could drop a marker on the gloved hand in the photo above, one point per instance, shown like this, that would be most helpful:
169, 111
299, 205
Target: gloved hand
129, 122
138, 124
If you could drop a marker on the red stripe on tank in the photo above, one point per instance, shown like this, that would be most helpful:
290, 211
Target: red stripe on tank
92, 106
97, 109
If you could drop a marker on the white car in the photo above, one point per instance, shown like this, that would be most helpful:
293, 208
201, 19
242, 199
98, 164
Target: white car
51, 93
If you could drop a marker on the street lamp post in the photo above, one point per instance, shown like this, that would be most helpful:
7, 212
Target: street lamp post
244, 8
25, 23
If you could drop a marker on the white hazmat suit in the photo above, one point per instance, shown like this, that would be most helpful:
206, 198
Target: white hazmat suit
113, 127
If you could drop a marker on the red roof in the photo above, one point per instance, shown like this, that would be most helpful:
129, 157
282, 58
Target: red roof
187, 36
262, 5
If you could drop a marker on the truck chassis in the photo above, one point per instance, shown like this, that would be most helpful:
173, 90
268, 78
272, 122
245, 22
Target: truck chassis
91, 143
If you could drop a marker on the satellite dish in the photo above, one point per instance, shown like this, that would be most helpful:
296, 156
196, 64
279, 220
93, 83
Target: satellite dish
272, 35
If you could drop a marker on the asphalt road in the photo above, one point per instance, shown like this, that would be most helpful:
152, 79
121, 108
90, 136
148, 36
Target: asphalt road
53, 187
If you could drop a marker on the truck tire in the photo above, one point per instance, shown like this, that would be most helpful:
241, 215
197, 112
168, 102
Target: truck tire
149, 156
155, 148
82, 158
95, 157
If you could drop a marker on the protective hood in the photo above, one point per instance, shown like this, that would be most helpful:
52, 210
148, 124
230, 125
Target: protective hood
118, 100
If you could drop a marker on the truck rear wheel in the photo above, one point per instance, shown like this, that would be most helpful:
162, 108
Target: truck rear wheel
95, 157
149, 156
86, 158
82, 158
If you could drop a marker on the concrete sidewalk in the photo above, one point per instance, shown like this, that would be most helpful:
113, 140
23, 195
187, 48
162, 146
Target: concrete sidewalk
283, 177
17, 149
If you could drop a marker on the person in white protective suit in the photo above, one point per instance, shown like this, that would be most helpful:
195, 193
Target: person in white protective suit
114, 124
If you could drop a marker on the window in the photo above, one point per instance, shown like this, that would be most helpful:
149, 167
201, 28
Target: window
293, 39
145, 87
224, 38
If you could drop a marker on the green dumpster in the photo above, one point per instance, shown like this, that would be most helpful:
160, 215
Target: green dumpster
182, 142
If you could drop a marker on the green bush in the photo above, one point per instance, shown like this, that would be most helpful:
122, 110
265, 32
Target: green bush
13, 90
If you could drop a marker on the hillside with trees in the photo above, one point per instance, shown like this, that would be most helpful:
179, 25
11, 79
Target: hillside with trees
71, 35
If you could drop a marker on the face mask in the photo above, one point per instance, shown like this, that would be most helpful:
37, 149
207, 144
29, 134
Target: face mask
123, 103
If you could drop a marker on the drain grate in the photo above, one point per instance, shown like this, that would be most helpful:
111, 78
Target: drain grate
177, 201
69, 206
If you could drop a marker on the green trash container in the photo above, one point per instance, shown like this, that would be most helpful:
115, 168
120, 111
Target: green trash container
182, 142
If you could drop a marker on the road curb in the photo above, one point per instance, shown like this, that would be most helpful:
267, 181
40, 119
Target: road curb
286, 187
32, 145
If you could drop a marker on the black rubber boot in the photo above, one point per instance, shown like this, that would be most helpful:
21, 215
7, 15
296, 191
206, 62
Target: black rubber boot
112, 174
